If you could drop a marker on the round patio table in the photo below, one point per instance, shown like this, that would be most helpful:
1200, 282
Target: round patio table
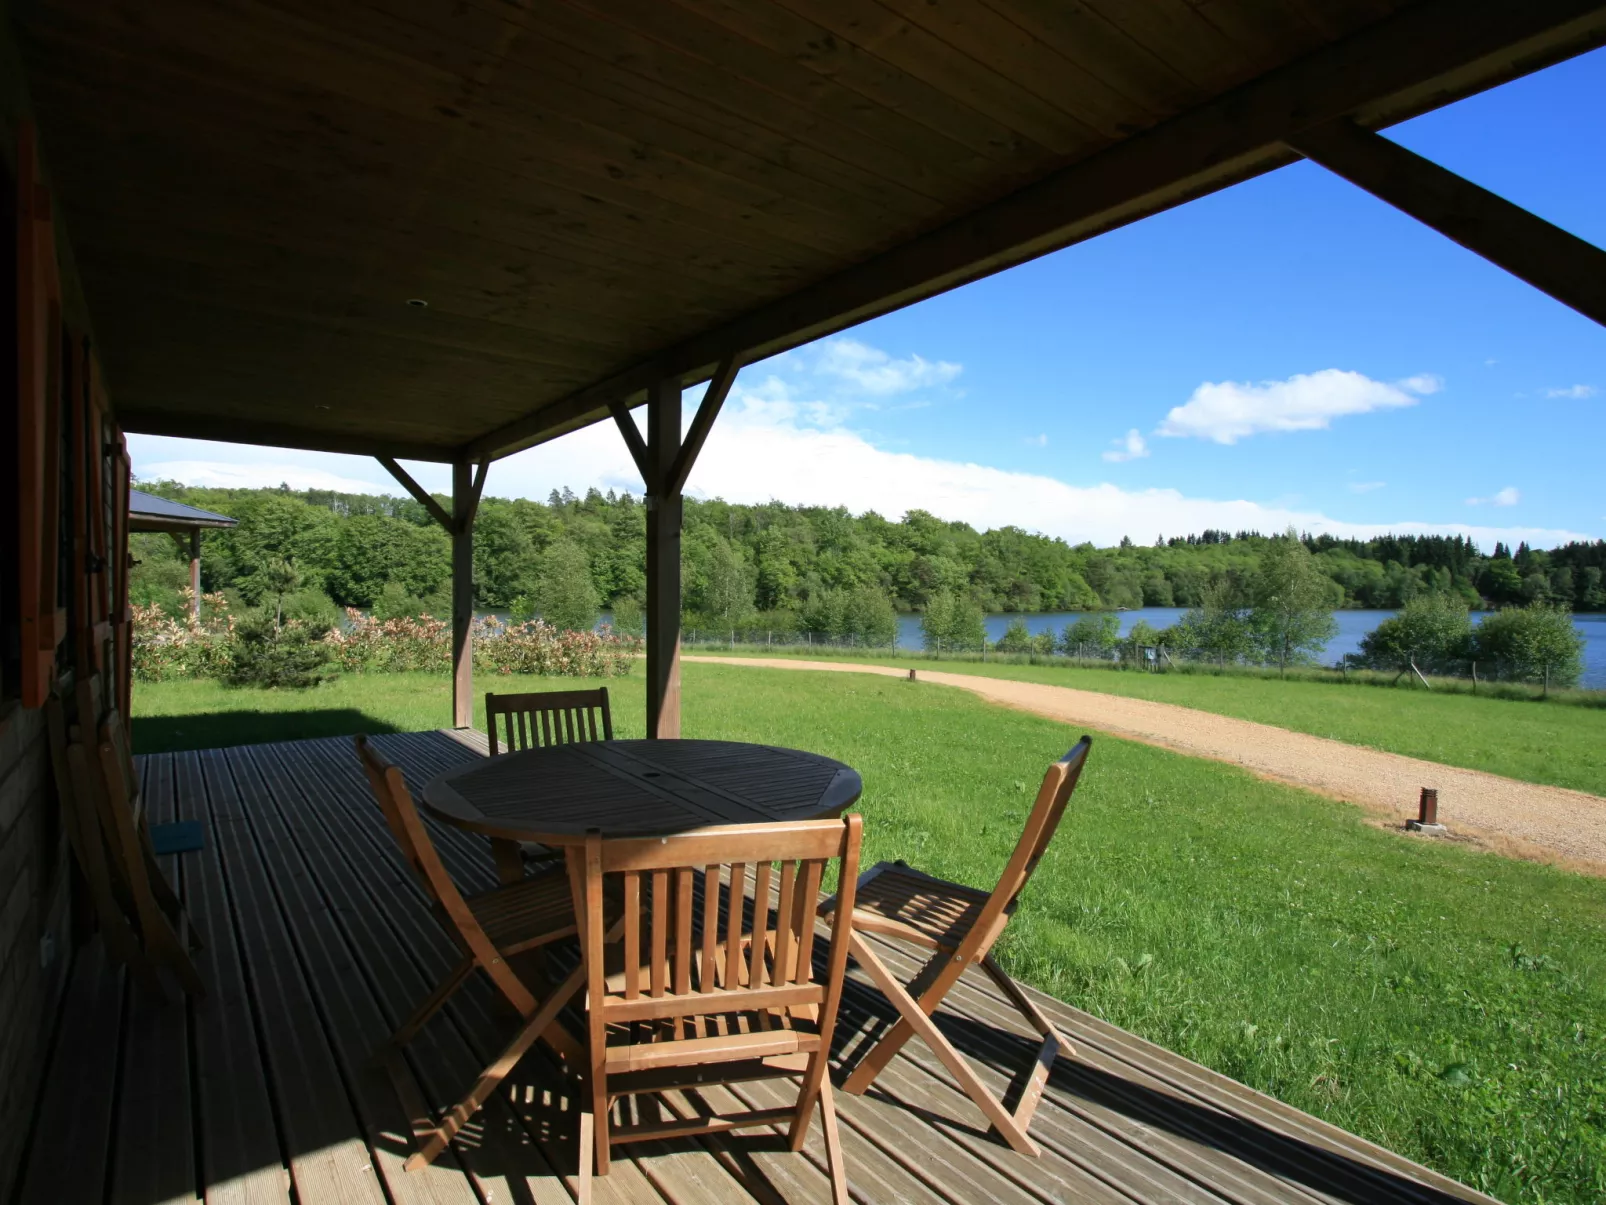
551, 796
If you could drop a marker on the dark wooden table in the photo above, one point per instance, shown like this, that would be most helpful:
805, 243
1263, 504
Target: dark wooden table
635, 788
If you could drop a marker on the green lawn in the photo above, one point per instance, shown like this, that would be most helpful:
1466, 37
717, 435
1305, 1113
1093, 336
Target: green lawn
1448, 1004
1562, 744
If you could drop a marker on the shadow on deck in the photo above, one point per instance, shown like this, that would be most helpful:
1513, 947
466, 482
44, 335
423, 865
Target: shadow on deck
318, 943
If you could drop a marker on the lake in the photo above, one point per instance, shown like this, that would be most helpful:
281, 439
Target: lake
1352, 626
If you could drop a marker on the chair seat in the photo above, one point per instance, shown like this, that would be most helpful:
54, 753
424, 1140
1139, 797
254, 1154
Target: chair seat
526, 914
897, 899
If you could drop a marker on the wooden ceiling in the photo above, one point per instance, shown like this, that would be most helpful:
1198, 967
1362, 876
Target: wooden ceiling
591, 194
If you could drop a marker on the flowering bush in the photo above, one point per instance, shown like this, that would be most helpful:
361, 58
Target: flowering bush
539, 648
424, 643
163, 647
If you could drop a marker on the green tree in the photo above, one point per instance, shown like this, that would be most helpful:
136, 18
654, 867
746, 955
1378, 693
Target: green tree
504, 557
1218, 628
628, 618
565, 595
1016, 638
952, 623
1091, 635
868, 616
727, 589
1432, 632
1292, 618
1537, 643
395, 603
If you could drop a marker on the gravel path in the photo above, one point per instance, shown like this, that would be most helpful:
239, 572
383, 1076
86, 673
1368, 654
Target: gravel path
1519, 818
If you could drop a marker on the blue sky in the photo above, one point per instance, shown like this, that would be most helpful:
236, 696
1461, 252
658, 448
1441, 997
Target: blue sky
1289, 350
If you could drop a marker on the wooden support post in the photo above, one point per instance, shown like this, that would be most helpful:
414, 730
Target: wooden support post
462, 532
665, 463
1549, 258
195, 574
664, 515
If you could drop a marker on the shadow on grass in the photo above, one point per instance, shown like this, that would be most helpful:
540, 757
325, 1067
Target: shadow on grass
220, 729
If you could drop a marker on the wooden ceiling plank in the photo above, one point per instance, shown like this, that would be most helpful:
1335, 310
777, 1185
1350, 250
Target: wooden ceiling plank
1551, 259
915, 51
684, 52
821, 51
519, 296
203, 426
231, 178
625, 67
1010, 50
596, 157
1379, 71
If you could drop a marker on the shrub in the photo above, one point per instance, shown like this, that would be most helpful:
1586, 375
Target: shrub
291, 655
1536, 643
1016, 639
394, 602
1432, 632
1095, 635
952, 622
162, 647
381, 646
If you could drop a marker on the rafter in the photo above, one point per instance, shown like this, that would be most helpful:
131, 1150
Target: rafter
1422, 57
436, 510
707, 412
1549, 258
633, 440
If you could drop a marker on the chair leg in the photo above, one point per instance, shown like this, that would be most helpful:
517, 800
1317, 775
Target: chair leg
1054, 1042
582, 1186
493, 1075
816, 1082
835, 1165
938, 975
432, 1003
922, 1025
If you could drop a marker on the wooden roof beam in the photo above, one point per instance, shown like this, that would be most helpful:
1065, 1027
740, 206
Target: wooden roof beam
419, 493
1546, 256
1420, 58
273, 435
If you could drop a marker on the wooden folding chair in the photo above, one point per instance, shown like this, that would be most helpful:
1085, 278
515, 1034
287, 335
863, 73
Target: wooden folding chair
104, 784
489, 929
960, 925
553, 717
701, 996
108, 899
534, 721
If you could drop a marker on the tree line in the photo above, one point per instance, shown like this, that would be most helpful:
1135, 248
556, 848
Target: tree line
797, 569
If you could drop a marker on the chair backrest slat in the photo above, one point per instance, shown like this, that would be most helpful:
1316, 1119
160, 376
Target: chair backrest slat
733, 922
764, 956
1041, 824
543, 718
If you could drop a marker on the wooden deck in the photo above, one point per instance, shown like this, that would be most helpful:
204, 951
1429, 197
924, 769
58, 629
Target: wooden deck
318, 943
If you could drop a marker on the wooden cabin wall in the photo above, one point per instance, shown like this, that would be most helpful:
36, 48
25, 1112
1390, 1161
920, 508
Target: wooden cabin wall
63, 604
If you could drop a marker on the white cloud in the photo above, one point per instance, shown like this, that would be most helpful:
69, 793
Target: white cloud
1131, 448
1228, 411
1574, 392
1365, 487
775, 441
223, 475
1509, 496
873, 371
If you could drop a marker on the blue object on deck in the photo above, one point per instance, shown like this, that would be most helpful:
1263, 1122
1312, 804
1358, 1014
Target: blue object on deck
180, 837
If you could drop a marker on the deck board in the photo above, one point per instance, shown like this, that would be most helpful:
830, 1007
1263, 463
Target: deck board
318, 943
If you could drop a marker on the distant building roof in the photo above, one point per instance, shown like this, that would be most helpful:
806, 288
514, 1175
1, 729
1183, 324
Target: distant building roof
147, 512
